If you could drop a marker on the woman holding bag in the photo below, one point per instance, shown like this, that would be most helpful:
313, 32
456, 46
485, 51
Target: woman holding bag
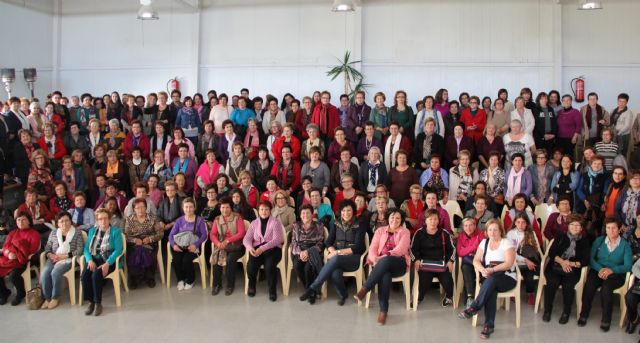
186, 237
227, 232
63, 244
434, 254
143, 232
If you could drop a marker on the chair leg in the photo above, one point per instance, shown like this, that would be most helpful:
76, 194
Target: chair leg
518, 305
416, 289
368, 299
578, 303
324, 289
407, 291
169, 258
72, 287
623, 310
541, 286
161, 266
123, 276
507, 303
116, 289
203, 273
359, 278
288, 281
283, 277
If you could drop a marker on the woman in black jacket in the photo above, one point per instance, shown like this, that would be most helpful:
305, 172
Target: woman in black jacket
567, 255
423, 149
434, 254
543, 133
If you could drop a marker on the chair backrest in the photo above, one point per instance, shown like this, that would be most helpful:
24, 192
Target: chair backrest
453, 209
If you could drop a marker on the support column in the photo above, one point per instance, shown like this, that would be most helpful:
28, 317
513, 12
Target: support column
56, 41
557, 46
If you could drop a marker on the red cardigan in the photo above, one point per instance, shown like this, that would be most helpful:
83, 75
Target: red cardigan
468, 245
60, 149
276, 148
332, 120
144, 143
480, 120
295, 181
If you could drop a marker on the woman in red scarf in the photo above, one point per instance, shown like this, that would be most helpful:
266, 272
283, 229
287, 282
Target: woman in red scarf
326, 116
413, 207
16, 252
252, 139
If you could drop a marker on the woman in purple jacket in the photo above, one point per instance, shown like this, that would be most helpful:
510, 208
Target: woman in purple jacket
569, 126
263, 242
184, 252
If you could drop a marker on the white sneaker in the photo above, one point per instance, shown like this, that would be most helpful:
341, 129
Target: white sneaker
180, 285
188, 286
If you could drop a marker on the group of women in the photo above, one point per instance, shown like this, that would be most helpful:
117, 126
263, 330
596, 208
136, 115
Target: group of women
252, 177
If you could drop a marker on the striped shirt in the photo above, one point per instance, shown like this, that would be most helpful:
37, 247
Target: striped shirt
608, 151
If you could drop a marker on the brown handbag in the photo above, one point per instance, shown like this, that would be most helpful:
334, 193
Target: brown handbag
34, 298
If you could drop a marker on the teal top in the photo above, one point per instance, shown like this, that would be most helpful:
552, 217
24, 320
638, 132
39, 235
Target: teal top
380, 119
404, 118
115, 244
619, 260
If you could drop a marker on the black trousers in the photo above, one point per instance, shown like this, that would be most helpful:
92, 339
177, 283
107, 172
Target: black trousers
15, 276
527, 275
469, 279
555, 280
229, 269
183, 266
632, 300
305, 271
426, 280
567, 146
383, 272
546, 145
609, 285
269, 259
92, 284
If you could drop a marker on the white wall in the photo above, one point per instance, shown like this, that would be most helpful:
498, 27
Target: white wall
287, 46
32, 48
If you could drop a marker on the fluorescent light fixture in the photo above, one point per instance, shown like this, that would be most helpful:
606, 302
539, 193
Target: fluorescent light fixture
343, 6
590, 5
146, 11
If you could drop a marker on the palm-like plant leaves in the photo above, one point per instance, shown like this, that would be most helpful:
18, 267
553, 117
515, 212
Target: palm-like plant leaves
347, 69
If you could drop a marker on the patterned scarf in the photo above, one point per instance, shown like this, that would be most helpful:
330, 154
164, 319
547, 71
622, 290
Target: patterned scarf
373, 176
571, 250
630, 205
426, 147
63, 203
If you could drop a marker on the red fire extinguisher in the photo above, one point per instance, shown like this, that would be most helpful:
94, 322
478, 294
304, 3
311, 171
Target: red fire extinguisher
173, 84
578, 91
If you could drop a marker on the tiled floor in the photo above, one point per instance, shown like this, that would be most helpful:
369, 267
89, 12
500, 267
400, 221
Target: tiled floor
166, 315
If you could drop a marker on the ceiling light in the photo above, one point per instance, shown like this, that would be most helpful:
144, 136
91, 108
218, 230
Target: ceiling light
343, 6
146, 11
590, 5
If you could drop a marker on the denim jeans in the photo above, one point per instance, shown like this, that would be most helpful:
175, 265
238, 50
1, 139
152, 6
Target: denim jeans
488, 295
333, 269
52, 278
387, 268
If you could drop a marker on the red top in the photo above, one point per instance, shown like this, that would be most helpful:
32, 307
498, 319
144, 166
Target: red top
143, 143
480, 121
240, 230
60, 150
276, 148
327, 118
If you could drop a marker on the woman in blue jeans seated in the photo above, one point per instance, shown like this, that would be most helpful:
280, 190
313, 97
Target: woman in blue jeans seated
389, 256
64, 243
345, 245
611, 259
495, 261
104, 245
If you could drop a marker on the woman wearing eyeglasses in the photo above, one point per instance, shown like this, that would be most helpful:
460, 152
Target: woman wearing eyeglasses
282, 211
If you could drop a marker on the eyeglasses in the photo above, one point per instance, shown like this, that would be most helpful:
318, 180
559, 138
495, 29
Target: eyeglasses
280, 198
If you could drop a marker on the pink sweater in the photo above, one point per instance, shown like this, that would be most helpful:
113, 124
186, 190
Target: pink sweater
402, 240
273, 236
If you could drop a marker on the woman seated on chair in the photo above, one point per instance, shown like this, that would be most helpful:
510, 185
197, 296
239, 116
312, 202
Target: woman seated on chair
264, 241
413, 207
227, 232
104, 245
18, 247
568, 253
143, 231
307, 246
495, 261
520, 207
64, 243
389, 257
466, 246
517, 180
632, 299
527, 253
611, 259
283, 211
434, 255
557, 224
185, 238
345, 246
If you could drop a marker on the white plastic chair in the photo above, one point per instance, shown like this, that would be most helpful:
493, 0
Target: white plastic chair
290, 265
453, 209
199, 260
71, 274
405, 279
117, 277
622, 291
358, 274
416, 287
514, 293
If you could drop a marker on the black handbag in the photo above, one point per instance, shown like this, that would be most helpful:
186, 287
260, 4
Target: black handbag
435, 266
